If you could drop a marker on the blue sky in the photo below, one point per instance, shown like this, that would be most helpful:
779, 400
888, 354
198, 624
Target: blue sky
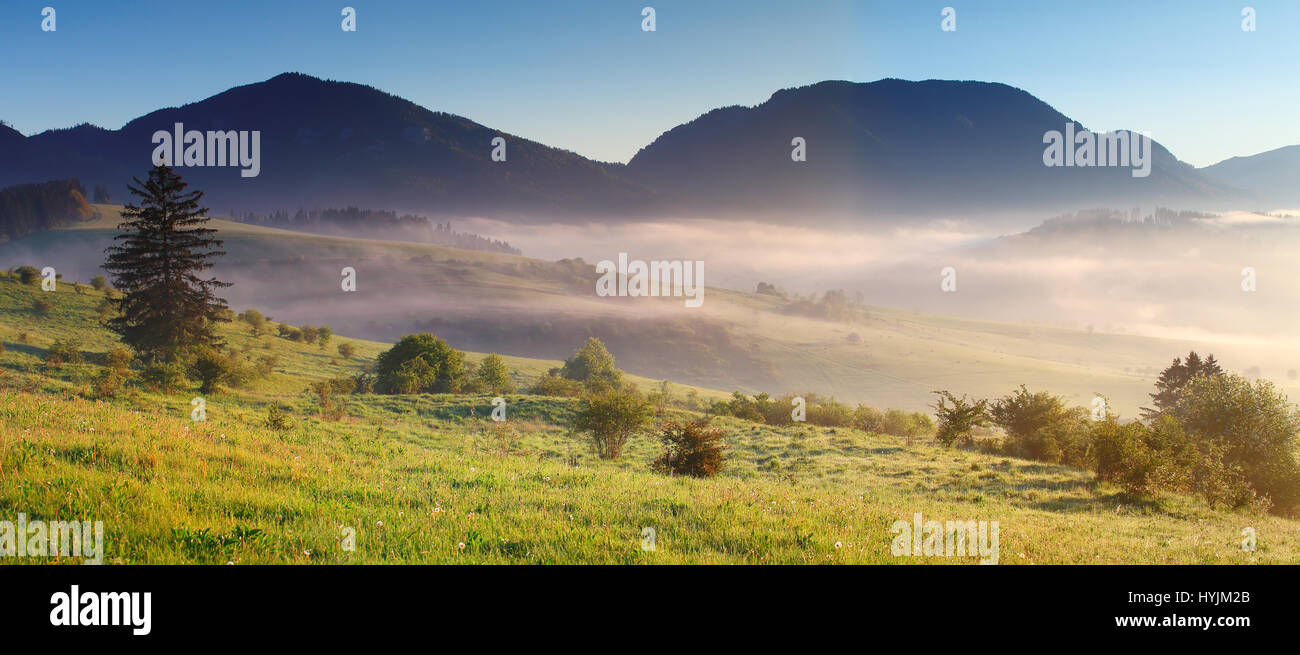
582, 75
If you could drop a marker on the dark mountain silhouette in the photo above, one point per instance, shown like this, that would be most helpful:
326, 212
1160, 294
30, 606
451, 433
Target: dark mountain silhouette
1271, 176
895, 145
10, 139
872, 148
327, 143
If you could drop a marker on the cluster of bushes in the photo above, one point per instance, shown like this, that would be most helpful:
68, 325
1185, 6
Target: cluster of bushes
424, 363
611, 411
326, 390
1230, 440
591, 369
117, 369
609, 418
834, 305
259, 324
214, 368
827, 412
306, 334
64, 351
210, 367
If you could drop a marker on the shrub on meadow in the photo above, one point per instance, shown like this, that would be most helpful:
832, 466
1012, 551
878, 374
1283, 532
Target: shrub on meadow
958, 418
266, 365
420, 363
830, 413
118, 358
552, 384
741, 407
868, 419
593, 366
105, 309
1042, 427
28, 274
347, 350
64, 351
213, 369
493, 376
255, 320
325, 391
692, 448
609, 419
1255, 429
108, 384
163, 376
276, 419
363, 383
909, 425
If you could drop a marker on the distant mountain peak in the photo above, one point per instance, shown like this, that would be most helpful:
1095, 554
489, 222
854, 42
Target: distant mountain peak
886, 147
895, 146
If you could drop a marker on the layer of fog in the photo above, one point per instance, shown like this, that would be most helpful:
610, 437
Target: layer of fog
1180, 279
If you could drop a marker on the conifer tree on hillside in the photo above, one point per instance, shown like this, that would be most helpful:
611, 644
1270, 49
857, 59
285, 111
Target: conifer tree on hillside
166, 309
1175, 377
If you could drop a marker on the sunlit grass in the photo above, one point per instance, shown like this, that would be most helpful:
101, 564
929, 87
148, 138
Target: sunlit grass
429, 479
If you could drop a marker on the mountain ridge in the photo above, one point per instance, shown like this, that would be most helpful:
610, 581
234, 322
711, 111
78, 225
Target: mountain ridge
887, 147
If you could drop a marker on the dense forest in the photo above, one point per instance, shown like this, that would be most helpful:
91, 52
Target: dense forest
374, 223
28, 208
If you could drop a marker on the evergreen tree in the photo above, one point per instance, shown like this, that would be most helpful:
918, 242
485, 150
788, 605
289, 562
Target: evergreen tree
166, 309
1175, 377
1211, 366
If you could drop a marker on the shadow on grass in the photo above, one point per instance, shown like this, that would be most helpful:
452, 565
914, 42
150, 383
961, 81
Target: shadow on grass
1097, 501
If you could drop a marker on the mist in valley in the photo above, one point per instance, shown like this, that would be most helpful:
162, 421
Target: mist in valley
1174, 281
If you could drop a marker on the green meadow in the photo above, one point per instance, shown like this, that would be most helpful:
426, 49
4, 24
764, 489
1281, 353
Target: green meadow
431, 479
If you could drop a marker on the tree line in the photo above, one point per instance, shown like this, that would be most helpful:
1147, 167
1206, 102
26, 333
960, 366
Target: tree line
1209, 432
28, 208
349, 220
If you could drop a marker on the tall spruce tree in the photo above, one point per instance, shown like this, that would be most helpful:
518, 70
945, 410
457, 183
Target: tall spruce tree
166, 309
1175, 377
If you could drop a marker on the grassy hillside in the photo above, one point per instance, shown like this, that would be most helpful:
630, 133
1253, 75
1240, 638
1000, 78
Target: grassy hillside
543, 310
421, 479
